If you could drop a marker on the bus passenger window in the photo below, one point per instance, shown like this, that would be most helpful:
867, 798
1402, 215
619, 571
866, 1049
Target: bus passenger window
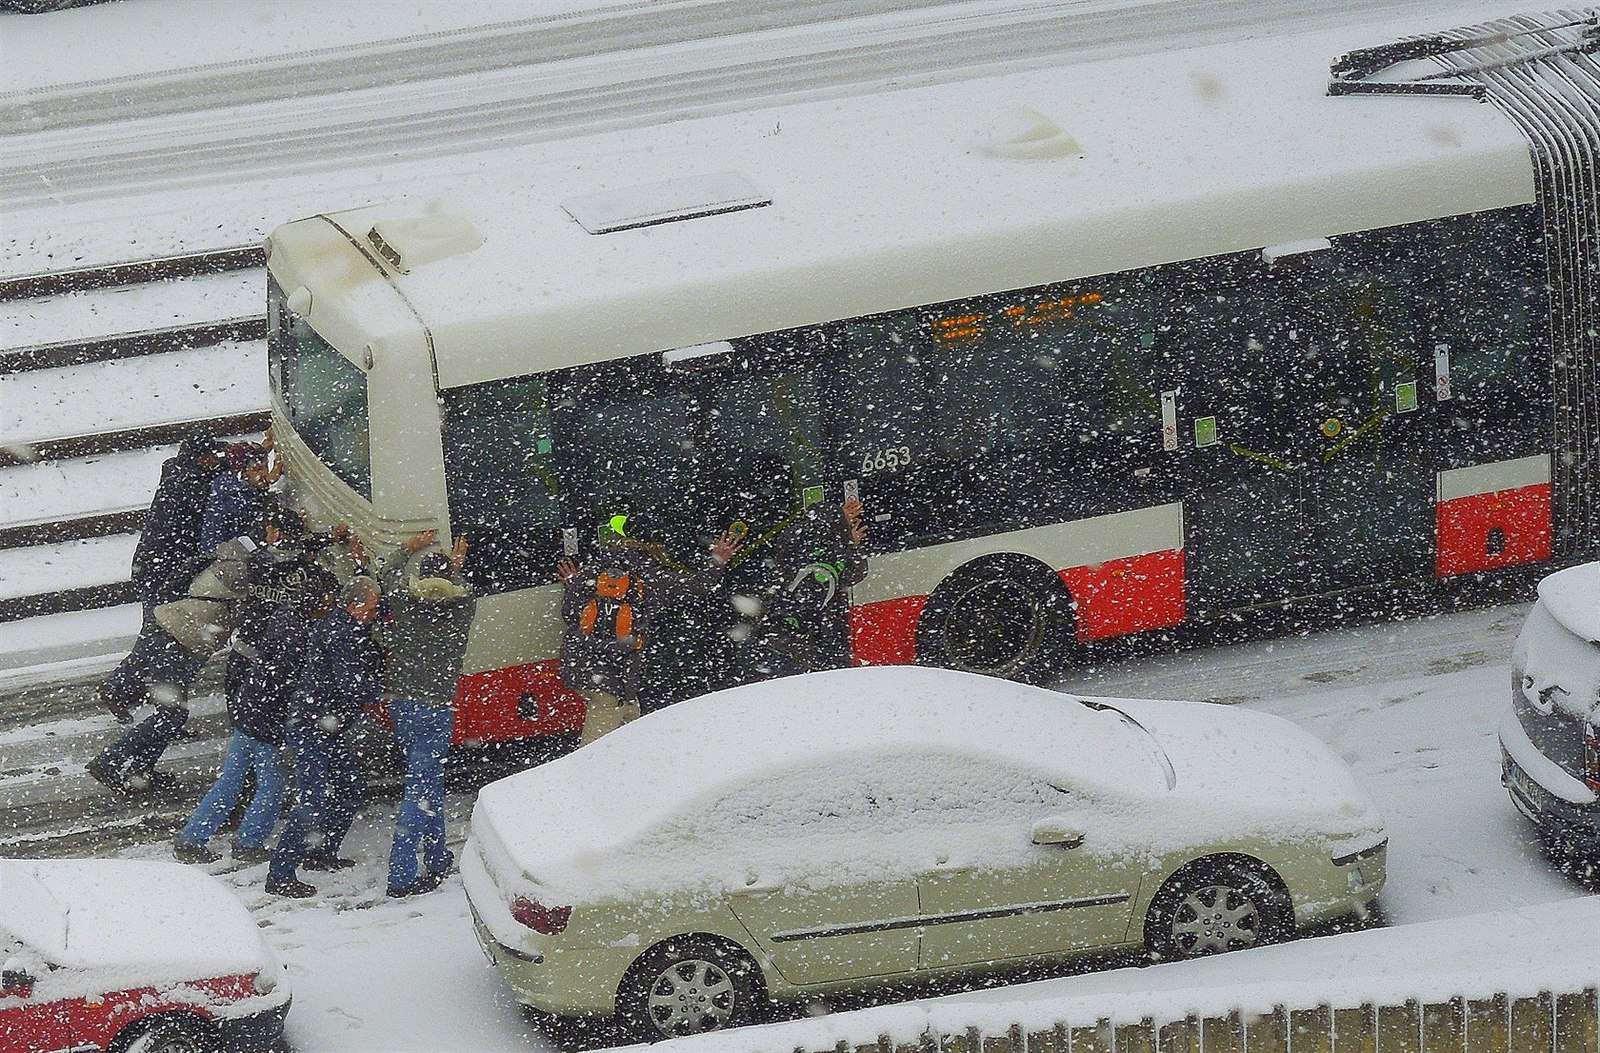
1487, 273
502, 480
642, 458
758, 423
884, 394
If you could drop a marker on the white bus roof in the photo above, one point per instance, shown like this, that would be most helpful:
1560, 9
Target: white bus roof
908, 197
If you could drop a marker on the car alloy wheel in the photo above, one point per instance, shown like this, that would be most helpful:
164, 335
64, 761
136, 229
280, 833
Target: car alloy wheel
691, 997
690, 985
1217, 904
1213, 919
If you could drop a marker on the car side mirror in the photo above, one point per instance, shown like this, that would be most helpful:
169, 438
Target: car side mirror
15, 980
1057, 830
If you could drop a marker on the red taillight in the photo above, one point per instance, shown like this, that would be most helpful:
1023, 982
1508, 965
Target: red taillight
1591, 757
538, 917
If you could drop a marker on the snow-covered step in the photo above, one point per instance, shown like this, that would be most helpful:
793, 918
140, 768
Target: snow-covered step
51, 491
170, 388
103, 313
41, 569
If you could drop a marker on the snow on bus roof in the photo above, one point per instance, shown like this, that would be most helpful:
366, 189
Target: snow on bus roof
998, 183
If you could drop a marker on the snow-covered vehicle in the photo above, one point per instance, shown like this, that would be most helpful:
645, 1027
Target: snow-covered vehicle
873, 825
1550, 737
137, 957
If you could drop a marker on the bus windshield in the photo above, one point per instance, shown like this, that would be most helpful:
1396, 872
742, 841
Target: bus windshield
323, 393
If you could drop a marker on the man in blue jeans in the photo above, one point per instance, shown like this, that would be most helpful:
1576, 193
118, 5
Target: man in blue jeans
340, 677
258, 709
430, 611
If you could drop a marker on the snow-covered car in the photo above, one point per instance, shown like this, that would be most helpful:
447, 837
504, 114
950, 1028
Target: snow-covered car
872, 825
136, 957
1550, 736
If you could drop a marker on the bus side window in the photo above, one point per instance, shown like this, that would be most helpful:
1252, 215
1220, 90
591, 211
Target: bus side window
881, 398
1485, 278
502, 480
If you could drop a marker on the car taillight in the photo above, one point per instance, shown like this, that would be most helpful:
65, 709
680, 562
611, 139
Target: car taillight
538, 917
1591, 757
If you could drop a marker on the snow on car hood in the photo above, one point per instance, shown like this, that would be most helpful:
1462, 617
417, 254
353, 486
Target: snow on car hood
150, 921
1240, 771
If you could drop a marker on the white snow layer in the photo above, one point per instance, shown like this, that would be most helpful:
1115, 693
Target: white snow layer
726, 784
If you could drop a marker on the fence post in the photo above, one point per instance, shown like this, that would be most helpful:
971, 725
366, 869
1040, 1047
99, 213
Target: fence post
1443, 1027
1222, 1034
1137, 1038
1400, 1028
1311, 1030
1487, 1022
1355, 1030
1052, 1041
1531, 1030
1269, 1033
1096, 1039
1577, 1022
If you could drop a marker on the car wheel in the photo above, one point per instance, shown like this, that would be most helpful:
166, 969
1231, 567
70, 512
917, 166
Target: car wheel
1215, 907
1006, 616
164, 1034
688, 986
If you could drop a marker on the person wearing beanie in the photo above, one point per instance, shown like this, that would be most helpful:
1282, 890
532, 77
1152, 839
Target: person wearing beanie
339, 678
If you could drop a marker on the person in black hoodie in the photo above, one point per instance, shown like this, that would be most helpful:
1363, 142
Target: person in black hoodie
342, 673
165, 560
258, 706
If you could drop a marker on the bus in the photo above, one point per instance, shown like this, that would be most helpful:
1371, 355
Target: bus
1103, 350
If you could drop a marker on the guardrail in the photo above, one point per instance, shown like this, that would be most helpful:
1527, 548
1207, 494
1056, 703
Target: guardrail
132, 272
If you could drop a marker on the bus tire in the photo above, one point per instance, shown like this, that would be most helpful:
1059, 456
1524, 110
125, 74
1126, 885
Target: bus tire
1009, 616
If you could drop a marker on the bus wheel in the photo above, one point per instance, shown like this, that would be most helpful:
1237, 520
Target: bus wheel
1007, 616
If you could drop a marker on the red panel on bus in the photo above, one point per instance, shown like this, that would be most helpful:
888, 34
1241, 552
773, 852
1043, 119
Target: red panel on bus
1486, 531
885, 633
487, 704
1128, 595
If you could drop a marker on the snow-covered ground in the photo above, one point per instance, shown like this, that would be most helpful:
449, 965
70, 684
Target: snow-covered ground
1410, 706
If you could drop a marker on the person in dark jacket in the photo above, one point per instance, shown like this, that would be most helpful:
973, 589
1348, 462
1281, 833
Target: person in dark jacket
238, 496
430, 614
342, 674
608, 603
166, 558
801, 621
258, 708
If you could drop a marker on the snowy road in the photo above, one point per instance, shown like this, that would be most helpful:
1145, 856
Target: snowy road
1411, 706
539, 79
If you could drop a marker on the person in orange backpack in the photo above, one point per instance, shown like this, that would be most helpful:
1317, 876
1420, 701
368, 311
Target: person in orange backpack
607, 603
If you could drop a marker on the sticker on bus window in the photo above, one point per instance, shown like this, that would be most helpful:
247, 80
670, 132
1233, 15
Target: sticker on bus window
1205, 431
811, 495
1405, 397
542, 447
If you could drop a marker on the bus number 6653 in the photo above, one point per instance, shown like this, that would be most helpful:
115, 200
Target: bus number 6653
886, 460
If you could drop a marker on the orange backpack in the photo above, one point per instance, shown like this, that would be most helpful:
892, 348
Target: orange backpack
611, 602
